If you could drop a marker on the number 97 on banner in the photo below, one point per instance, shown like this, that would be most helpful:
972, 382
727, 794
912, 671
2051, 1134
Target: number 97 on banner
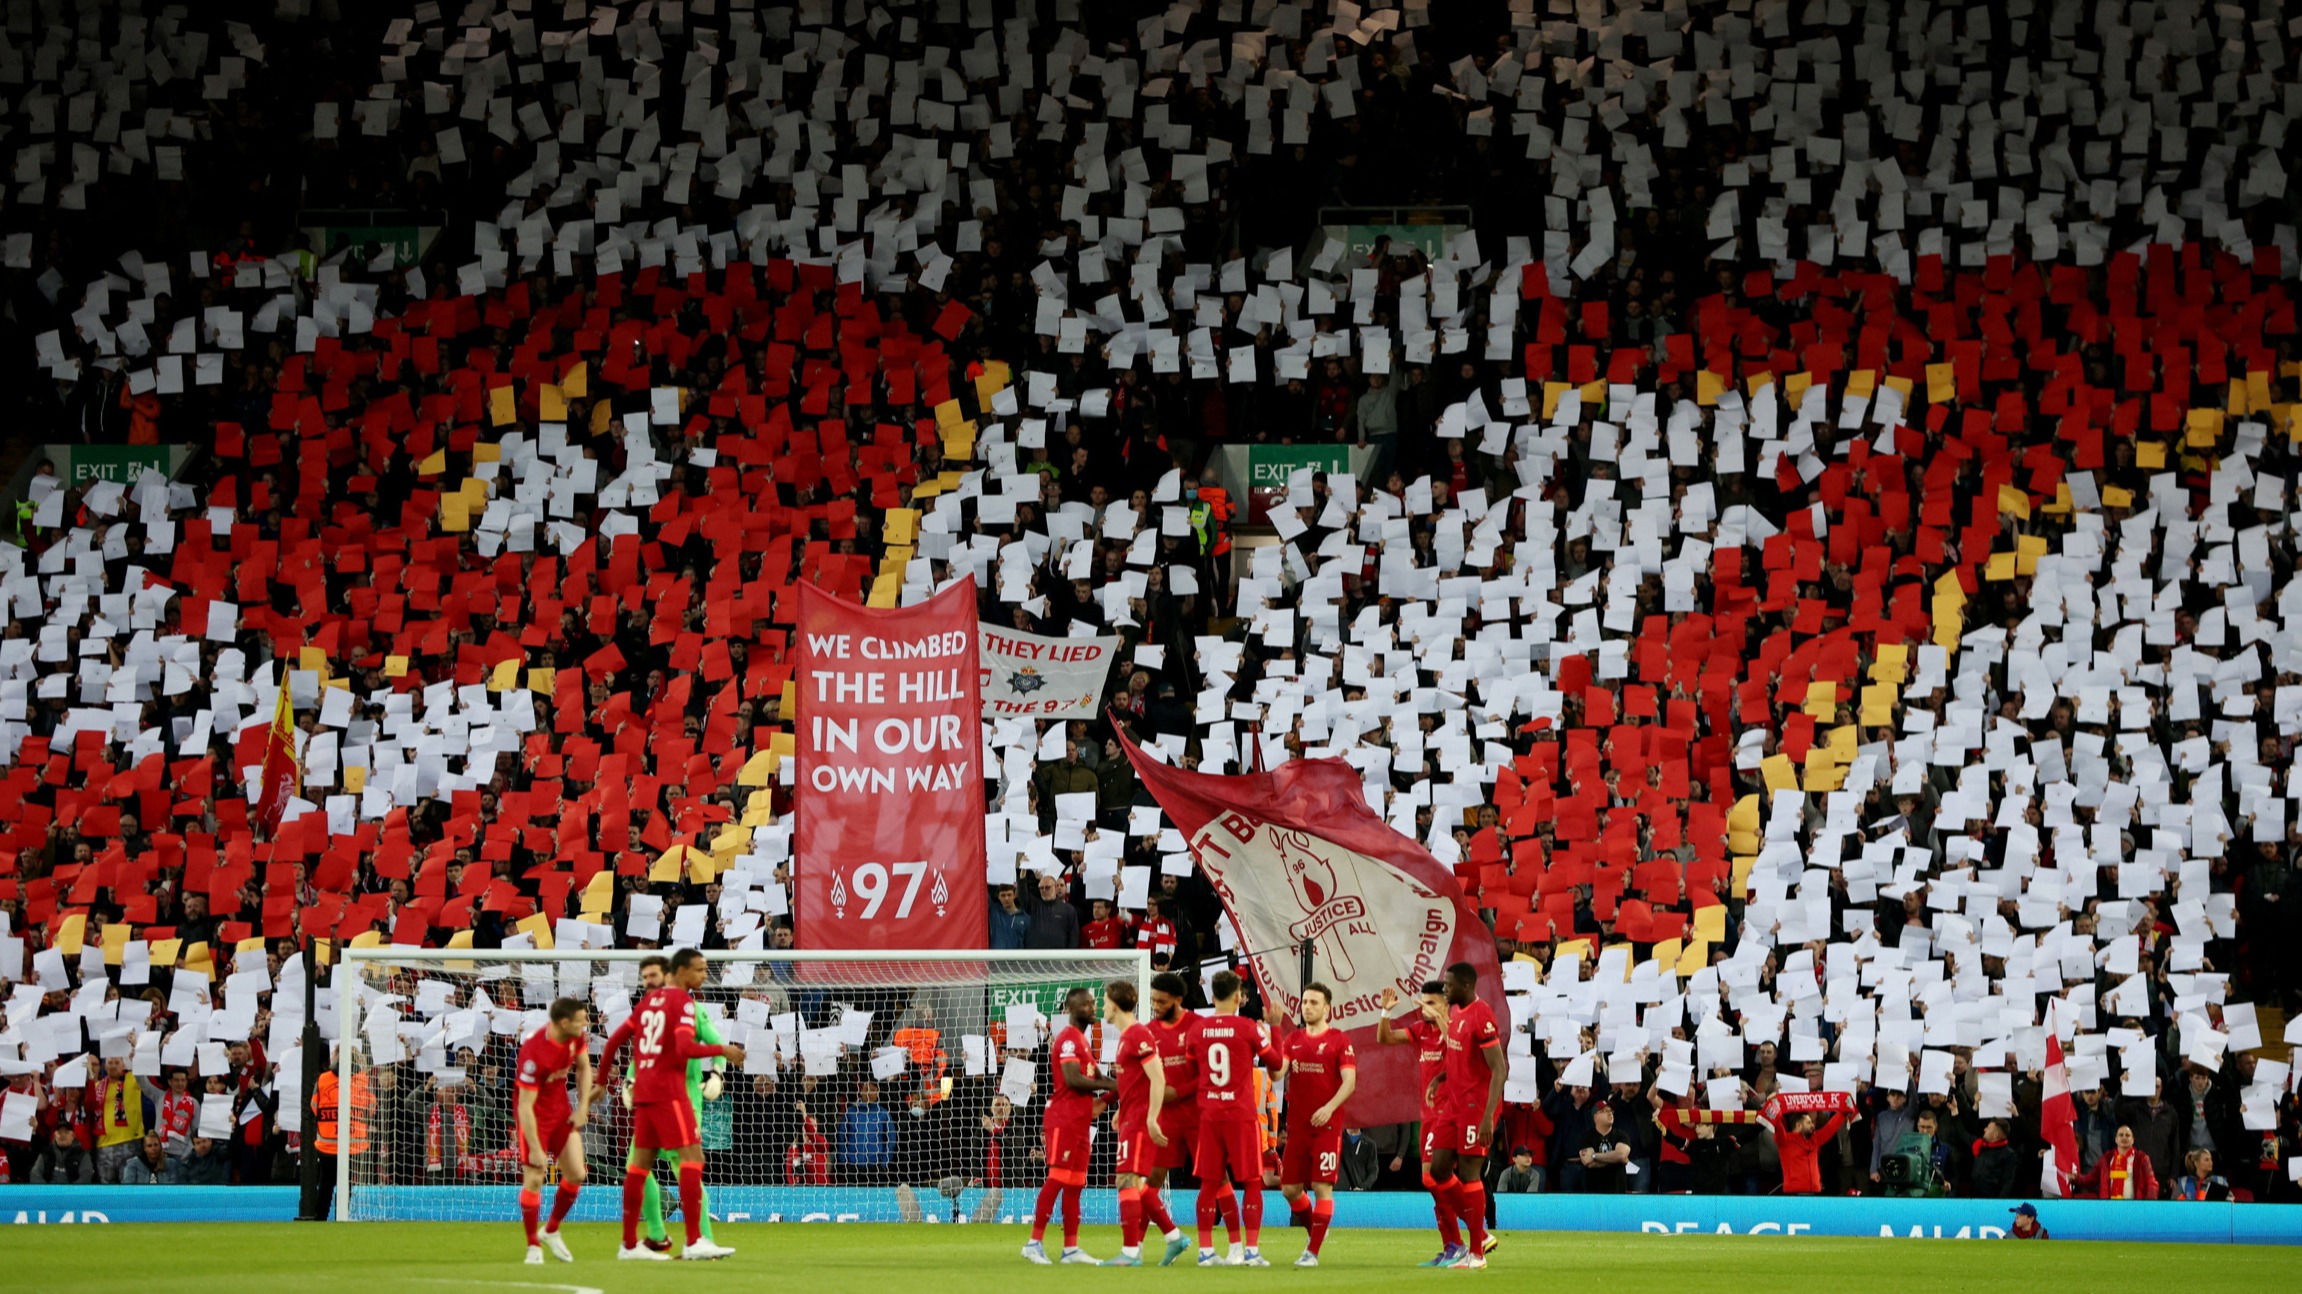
874, 885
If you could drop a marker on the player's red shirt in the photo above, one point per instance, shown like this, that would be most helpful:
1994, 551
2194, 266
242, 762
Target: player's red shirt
1470, 1031
661, 1031
1315, 1065
1227, 1049
543, 1067
1138, 1051
1430, 1063
1182, 1067
1066, 1107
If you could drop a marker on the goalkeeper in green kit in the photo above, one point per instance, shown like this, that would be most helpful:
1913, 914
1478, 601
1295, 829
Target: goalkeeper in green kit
652, 973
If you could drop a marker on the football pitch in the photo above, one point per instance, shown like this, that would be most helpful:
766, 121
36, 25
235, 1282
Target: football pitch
437, 1258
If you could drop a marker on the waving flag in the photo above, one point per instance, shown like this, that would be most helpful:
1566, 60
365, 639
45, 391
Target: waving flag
278, 780
2057, 1118
1295, 854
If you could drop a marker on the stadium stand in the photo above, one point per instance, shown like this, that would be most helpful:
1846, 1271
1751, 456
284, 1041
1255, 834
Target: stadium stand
1819, 563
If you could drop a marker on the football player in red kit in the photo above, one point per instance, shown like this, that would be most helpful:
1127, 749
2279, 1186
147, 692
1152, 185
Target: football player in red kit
1142, 1100
1072, 1107
1171, 1028
549, 1127
661, 1032
1228, 1047
1321, 1074
1427, 1031
1474, 1091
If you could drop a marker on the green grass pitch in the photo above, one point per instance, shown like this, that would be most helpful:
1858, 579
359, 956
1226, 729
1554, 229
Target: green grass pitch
439, 1258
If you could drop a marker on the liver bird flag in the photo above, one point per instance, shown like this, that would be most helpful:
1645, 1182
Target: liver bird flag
1296, 853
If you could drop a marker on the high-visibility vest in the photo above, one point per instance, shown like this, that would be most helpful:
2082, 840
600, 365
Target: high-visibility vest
1208, 520
928, 1059
327, 1097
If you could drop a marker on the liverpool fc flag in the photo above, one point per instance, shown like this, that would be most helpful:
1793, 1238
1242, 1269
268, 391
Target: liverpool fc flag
1296, 855
277, 783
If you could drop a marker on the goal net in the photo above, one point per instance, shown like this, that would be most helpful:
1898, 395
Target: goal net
880, 1087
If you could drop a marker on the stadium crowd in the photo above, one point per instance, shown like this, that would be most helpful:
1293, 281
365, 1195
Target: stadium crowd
1823, 574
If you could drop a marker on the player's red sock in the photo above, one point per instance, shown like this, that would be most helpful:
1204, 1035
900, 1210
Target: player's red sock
1227, 1204
1322, 1214
1131, 1216
1045, 1208
1071, 1193
1298, 1208
1450, 1193
1155, 1212
563, 1203
691, 1201
1209, 1205
531, 1203
1251, 1212
1449, 1233
634, 1198
1472, 1197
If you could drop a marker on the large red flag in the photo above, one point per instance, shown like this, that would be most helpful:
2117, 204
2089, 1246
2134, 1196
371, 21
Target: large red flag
2057, 1118
890, 838
1295, 854
276, 784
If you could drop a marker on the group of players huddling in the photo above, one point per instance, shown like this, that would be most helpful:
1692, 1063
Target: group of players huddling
1186, 1095
1184, 1085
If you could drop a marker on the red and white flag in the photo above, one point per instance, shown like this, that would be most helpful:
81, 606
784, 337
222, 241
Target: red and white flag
2057, 1118
1295, 854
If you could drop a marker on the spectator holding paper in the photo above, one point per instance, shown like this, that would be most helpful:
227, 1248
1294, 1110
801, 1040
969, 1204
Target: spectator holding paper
1699, 549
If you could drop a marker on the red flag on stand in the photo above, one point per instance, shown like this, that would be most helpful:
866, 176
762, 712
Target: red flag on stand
278, 781
1295, 853
2057, 1120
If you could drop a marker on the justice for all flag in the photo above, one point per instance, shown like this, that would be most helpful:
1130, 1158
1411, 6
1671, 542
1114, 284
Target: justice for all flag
1295, 854
889, 753
277, 781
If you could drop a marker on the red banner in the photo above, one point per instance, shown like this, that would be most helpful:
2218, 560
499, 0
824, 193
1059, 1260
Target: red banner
889, 850
1296, 854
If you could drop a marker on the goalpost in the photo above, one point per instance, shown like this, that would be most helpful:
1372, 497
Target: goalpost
878, 1086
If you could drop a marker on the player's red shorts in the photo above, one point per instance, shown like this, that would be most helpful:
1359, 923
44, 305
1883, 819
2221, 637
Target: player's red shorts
1471, 1133
1313, 1155
1138, 1154
664, 1125
1228, 1150
1440, 1133
1182, 1130
1066, 1146
554, 1130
